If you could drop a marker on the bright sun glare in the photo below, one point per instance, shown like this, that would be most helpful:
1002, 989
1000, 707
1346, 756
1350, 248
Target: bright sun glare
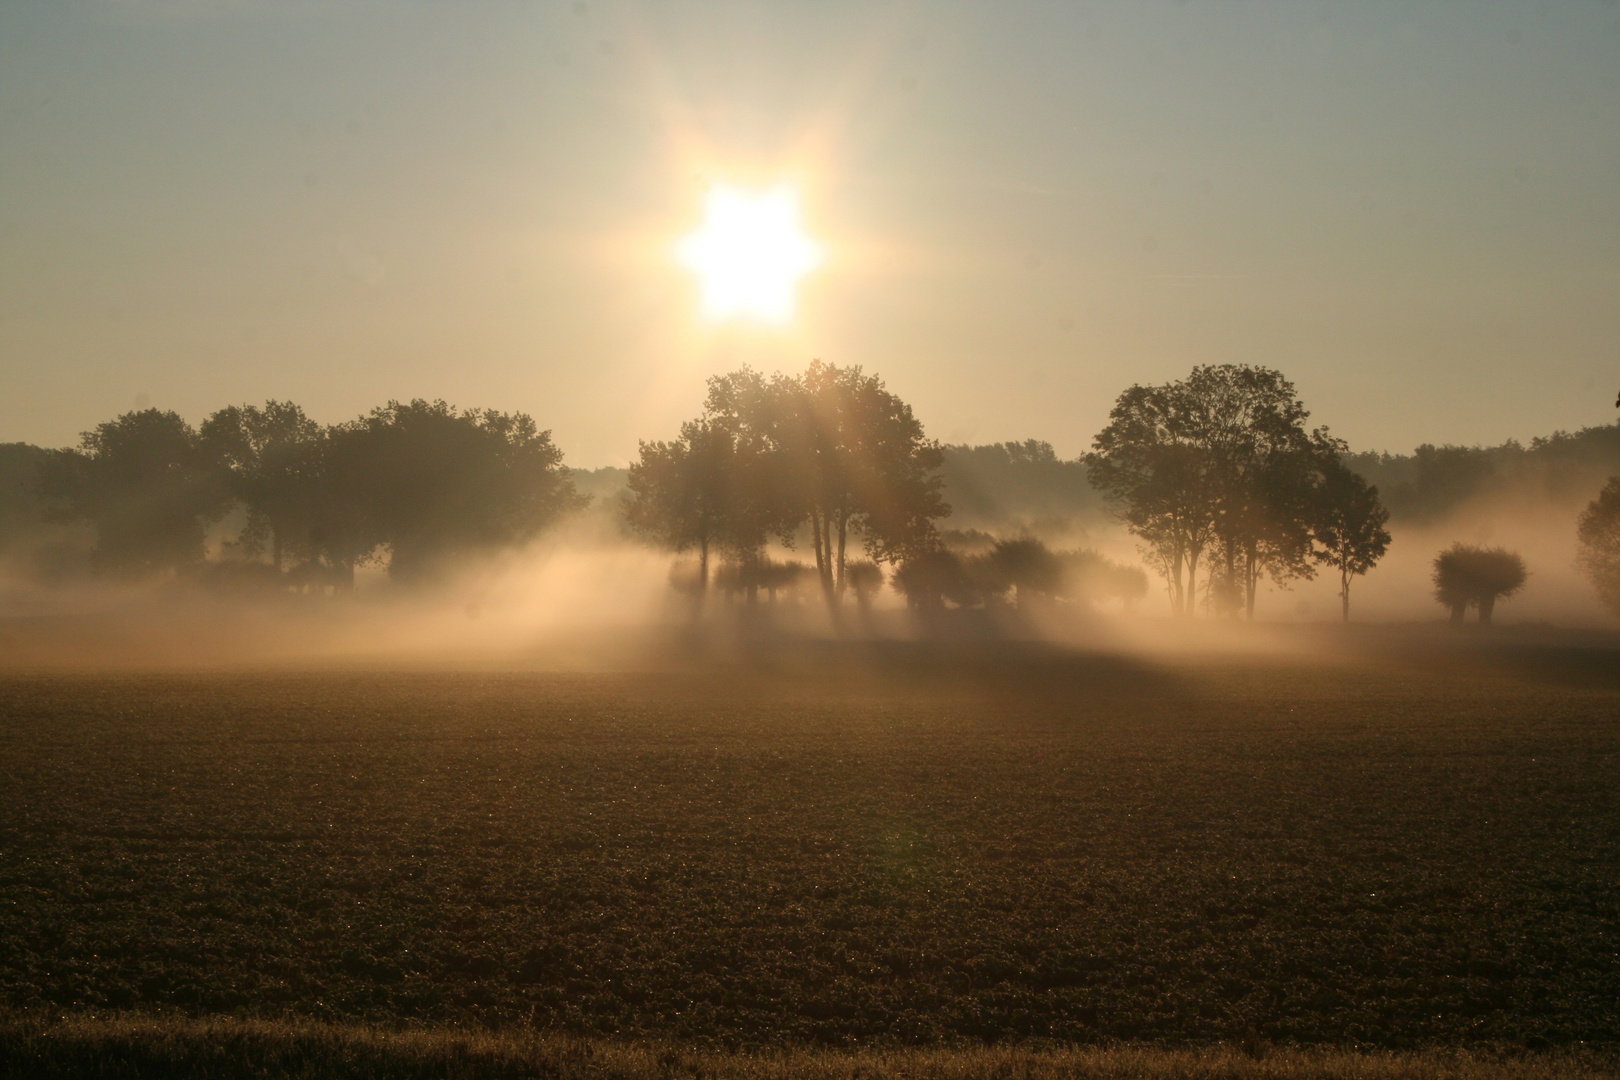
750, 253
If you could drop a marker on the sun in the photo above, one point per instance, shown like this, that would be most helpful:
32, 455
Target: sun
750, 253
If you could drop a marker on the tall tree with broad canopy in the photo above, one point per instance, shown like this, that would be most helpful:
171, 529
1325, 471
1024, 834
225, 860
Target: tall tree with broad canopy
147, 484
689, 494
838, 453
1598, 533
1349, 525
1150, 464
1218, 466
434, 483
272, 455
871, 470
1262, 466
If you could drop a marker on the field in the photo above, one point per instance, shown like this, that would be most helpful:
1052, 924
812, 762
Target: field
930, 847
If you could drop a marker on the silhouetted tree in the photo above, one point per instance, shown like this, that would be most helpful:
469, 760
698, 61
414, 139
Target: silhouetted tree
273, 457
837, 453
1264, 470
1220, 460
1349, 525
931, 576
431, 483
1598, 533
1026, 566
689, 494
1467, 576
865, 581
1150, 465
871, 470
148, 486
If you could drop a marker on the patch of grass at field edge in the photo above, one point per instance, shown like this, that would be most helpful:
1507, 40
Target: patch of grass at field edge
133, 1045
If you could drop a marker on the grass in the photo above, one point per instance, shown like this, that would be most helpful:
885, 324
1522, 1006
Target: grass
1013, 849
116, 1047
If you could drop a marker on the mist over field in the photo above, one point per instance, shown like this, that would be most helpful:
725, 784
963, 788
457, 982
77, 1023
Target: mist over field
590, 594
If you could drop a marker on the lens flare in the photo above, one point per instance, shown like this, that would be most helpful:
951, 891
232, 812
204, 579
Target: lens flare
750, 254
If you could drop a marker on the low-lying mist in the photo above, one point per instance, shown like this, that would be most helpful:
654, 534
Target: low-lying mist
587, 597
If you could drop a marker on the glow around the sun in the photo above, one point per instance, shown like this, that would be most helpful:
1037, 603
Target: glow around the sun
750, 253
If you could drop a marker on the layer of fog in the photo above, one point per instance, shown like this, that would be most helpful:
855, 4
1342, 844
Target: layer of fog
587, 596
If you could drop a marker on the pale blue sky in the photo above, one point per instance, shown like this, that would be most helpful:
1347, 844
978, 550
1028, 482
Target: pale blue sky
1412, 209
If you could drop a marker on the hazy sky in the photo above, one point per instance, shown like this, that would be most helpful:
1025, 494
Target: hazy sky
1413, 209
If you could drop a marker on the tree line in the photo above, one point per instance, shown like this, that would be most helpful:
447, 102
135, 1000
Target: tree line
420, 481
1215, 473
1218, 476
1434, 482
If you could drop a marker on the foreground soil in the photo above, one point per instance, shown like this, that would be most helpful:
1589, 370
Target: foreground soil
991, 845
119, 1047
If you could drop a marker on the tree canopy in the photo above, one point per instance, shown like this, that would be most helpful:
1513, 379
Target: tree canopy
1219, 469
418, 483
147, 484
1598, 533
832, 453
1348, 526
1467, 576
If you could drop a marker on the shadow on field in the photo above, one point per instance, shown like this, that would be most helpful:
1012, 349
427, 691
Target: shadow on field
1531, 654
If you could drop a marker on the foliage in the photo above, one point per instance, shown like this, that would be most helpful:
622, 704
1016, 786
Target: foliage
1150, 466
31, 542
1434, 481
993, 845
689, 494
1027, 567
1467, 576
433, 483
1348, 525
422, 482
1599, 535
272, 455
1219, 463
865, 578
832, 451
21, 512
148, 485
931, 577
945, 575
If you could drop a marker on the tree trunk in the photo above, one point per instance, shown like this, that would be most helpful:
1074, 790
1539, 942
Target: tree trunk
1191, 599
815, 534
1251, 579
1344, 592
703, 568
821, 525
843, 536
1486, 605
1457, 613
